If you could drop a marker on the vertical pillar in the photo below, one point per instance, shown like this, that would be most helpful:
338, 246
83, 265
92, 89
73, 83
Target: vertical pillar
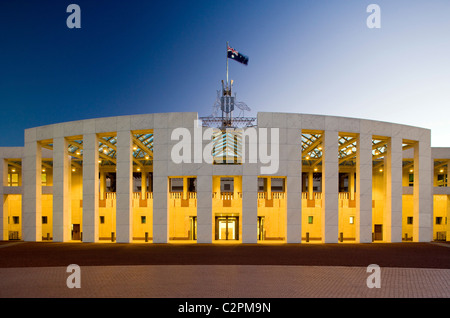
392, 220
143, 185
185, 188
32, 192
204, 208
61, 191
422, 192
249, 209
294, 186
310, 184
351, 185
124, 182
330, 180
363, 189
269, 188
90, 188
3, 209
102, 185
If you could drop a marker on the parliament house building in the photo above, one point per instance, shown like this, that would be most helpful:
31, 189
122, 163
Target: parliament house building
169, 177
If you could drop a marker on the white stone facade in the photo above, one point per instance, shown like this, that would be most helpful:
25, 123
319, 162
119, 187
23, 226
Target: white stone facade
290, 126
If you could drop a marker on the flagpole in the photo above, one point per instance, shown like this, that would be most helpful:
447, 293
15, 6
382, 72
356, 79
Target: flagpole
227, 64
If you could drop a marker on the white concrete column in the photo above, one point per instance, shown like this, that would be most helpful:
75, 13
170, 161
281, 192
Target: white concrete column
363, 221
294, 186
160, 185
392, 221
3, 209
61, 191
330, 180
124, 182
422, 192
90, 188
204, 209
249, 209
32, 192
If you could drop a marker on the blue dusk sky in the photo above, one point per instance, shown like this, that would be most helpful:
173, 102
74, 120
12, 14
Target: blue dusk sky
136, 57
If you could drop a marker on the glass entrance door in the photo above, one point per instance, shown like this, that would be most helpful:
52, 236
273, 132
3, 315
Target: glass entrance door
193, 228
227, 228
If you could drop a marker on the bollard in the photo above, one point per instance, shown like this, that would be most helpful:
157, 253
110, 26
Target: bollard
341, 236
48, 236
146, 236
112, 236
307, 236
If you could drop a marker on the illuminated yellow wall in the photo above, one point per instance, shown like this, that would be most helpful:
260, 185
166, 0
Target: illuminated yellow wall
441, 205
76, 196
13, 204
312, 208
272, 206
378, 197
142, 207
47, 210
347, 214
181, 206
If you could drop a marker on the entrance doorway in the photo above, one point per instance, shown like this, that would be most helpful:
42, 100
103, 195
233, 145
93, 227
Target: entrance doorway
261, 232
76, 233
193, 228
378, 232
227, 228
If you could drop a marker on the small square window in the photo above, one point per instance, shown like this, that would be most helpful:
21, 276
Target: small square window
352, 220
102, 220
176, 184
310, 219
44, 220
409, 220
15, 219
438, 220
143, 219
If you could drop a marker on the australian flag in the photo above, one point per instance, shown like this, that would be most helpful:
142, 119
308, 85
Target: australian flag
235, 55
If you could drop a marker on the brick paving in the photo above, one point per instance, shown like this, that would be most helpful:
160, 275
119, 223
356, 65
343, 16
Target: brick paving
408, 270
224, 281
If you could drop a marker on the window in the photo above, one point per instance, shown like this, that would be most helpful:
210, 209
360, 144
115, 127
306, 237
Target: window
44, 220
44, 179
13, 179
15, 219
102, 220
310, 219
176, 184
143, 219
192, 184
261, 184
277, 185
352, 220
411, 179
438, 220
441, 180
226, 185
409, 220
